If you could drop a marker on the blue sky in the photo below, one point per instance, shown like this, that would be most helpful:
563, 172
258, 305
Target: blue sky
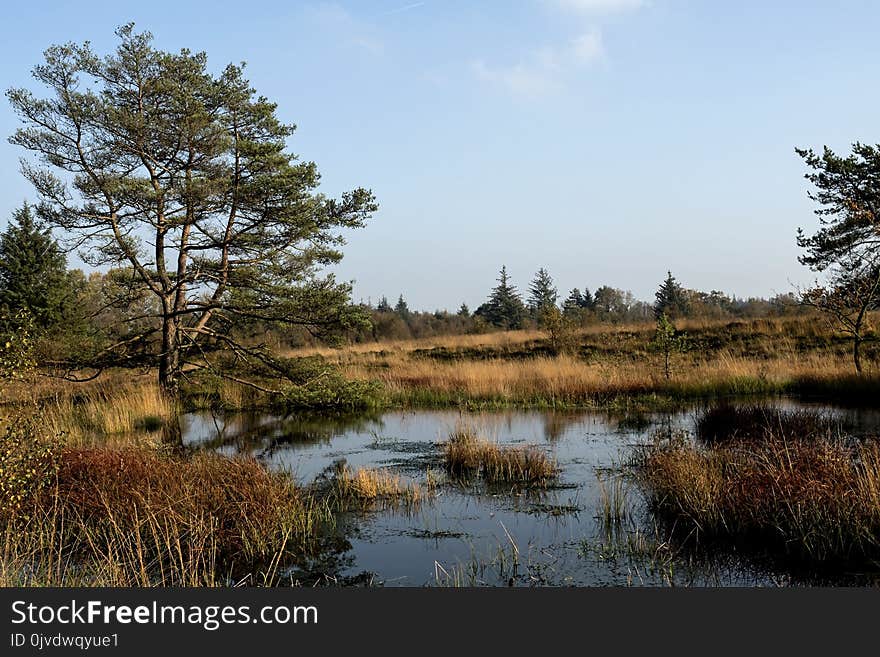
606, 140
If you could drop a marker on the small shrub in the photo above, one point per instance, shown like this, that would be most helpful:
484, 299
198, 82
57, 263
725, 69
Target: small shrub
28, 464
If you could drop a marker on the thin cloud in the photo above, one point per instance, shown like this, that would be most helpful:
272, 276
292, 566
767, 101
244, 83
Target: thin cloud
525, 80
400, 10
588, 47
347, 27
544, 71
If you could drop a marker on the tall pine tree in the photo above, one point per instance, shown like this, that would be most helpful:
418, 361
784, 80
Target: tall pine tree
504, 308
542, 293
671, 299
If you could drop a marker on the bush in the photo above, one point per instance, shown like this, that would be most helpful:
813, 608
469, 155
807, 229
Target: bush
28, 463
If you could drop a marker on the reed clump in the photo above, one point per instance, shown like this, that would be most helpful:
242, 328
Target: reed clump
368, 486
110, 411
139, 517
466, 453
809, 500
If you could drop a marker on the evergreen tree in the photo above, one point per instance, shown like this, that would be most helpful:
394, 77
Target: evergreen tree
588, 301
574, 302
384, 306
33, 271
542, 293
504, 307
671, 299
464, 311
845, 247
667, 340
401, 308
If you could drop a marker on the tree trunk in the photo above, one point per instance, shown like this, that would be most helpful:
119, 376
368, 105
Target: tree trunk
857, 353
172, 433
169, 360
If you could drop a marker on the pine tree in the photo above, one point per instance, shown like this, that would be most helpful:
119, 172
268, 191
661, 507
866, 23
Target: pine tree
180, 172
401, 308
33, 271
671, 299
464, 311
542, 293
384, 306
589, 302
504, 308
573, 303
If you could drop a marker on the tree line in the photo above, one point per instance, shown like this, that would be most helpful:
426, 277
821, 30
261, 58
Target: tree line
506, 308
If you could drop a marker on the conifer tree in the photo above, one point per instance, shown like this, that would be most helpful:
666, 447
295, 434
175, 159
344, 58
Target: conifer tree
401, 308
504, 307
542, 293
33, 271
671, 299
179, 172
573, 303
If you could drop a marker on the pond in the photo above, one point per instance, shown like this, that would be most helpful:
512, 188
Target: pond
468, 534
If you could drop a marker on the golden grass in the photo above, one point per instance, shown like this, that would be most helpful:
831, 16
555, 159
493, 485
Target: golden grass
467, 453
565, 380
371, 485
495, 339
108, 411
514, 368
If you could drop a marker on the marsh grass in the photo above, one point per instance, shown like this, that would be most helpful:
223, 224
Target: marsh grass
612, 365
466, 453
811, 501
120, 412
614, 503
138, 517
372, 486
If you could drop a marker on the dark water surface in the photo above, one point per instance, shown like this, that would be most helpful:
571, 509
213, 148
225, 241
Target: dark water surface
468, 534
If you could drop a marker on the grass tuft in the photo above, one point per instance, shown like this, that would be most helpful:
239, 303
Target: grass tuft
467, 453
808, 500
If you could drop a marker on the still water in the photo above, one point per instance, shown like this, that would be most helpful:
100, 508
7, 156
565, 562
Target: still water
471, 535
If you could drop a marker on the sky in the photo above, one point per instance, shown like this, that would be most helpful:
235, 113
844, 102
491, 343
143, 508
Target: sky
606, 140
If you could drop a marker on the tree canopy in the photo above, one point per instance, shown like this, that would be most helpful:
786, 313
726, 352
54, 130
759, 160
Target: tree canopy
846, 247
153, 164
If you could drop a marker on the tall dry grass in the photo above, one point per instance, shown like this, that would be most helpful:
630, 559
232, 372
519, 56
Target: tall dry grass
466, 453
566, 380
518, 367
110, 412
816, 500
369, 486
136, 517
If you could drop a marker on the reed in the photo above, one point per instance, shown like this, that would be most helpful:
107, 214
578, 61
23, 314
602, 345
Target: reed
370, 486
818, 501
110, 411
466, 453
137, 517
